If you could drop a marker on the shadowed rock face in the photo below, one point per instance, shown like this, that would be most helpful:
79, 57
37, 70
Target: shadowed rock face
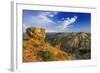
35, 48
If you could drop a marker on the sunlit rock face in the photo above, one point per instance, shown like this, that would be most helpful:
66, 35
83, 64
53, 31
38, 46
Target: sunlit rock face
38, 33
35, 48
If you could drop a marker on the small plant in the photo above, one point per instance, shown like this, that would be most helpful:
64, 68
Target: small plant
47, 56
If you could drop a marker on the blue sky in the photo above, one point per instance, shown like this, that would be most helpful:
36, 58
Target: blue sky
54, 21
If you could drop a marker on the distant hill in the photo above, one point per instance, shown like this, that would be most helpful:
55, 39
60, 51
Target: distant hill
75, 43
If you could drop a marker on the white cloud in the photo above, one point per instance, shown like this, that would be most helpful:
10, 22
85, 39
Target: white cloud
48, 13
51, 15
41, 20
67, 22
25, 27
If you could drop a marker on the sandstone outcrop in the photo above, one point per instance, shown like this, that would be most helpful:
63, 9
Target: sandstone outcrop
35, 49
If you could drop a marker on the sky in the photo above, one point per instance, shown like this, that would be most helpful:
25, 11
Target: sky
54, 21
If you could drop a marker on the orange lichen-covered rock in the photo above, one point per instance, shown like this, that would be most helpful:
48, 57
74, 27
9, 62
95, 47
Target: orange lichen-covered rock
36, 43
27, 55
62, 56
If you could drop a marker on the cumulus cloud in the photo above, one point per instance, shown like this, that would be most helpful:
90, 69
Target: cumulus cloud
68, 21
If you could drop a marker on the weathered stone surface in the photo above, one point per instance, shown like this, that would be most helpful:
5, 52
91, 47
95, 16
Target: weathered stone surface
36, 43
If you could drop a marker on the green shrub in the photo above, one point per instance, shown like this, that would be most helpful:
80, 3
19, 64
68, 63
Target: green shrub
47, 56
